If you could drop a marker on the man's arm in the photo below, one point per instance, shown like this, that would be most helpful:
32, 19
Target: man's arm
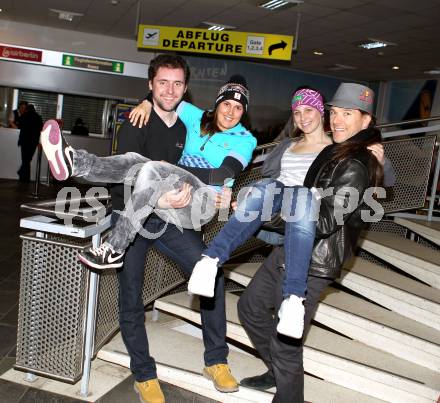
229, 169
11, 121
346, 191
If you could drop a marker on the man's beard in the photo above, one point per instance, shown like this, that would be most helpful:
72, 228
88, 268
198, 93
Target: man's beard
165, 108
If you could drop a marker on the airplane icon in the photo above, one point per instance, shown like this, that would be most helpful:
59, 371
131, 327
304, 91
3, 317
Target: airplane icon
149, 36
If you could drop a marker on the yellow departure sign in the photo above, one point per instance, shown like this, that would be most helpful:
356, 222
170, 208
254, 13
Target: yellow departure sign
228, 43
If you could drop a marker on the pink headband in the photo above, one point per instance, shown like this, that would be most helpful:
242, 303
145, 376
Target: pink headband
308, 97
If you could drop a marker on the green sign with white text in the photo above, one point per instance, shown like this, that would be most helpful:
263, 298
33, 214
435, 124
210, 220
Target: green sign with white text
91, 63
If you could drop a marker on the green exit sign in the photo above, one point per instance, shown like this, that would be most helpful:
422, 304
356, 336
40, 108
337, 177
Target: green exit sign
91, 63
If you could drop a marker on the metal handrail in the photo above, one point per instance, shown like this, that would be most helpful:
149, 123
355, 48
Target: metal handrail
263, 147
47, 207
408, 122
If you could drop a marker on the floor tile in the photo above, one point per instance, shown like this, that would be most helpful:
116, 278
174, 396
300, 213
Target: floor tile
11, 317
40, 396
8, 300
11, 392
8, 336
5, 364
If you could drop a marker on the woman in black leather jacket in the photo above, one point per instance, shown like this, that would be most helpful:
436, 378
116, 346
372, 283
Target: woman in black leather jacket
347, 174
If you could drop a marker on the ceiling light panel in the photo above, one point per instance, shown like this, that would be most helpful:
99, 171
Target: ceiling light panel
276, 4
213, 26
66, 15
375, 44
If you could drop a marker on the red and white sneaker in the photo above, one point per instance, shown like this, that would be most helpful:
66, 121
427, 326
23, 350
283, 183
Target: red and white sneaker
58, 152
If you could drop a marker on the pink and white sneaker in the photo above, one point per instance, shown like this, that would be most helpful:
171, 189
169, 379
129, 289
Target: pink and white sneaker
58, 152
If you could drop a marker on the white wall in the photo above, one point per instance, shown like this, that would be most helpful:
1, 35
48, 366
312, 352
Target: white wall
38, 36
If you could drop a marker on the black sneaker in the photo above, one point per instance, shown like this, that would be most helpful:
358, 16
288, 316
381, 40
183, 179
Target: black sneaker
260, 382
58, 152
101, 258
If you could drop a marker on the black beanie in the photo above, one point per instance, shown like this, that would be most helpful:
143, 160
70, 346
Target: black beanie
235, 89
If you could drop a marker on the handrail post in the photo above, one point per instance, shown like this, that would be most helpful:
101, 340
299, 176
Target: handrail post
434, 185
37, 173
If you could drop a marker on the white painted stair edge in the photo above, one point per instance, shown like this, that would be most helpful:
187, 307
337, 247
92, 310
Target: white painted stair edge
398, 300
420, 269
338, 370
380, 336
423, 228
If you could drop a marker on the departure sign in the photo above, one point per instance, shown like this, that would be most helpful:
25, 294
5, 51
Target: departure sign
228, 43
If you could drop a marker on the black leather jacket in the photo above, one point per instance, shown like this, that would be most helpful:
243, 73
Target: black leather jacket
335, 238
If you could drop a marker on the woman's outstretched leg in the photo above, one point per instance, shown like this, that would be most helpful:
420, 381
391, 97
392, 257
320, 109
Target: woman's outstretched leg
262, 200
65, 161
300, 211
154, 180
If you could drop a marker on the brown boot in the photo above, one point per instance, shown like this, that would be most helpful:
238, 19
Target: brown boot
149, 391
220, 375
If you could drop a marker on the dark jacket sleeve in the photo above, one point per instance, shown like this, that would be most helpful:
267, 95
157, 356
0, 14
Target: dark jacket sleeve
341, 196
229, 169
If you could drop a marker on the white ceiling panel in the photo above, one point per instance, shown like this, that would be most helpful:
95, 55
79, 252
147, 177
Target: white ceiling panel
331, 26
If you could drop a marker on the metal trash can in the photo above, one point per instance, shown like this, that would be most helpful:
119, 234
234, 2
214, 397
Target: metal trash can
66, 312
52, 306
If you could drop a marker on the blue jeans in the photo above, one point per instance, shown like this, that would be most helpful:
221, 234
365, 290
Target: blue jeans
185, 249
272, 238
266, 198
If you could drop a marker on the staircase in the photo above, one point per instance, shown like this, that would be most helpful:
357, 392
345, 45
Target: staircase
375, 335
338, 359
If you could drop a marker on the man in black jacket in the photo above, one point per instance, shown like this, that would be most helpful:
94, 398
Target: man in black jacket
163, 138
346, 164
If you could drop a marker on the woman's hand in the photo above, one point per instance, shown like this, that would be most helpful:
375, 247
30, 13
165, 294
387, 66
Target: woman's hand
140, 114
223, 199
176, 198
378, 152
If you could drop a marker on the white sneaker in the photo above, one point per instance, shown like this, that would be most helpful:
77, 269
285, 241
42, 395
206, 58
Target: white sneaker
202, 280
291, 316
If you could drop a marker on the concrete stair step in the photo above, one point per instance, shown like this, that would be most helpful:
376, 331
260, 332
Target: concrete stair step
428, 230
334, 358
419, 261
394, 291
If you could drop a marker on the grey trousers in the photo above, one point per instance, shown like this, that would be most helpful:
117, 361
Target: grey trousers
150, 180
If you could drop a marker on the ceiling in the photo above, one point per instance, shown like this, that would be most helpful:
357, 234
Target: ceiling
329, 26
